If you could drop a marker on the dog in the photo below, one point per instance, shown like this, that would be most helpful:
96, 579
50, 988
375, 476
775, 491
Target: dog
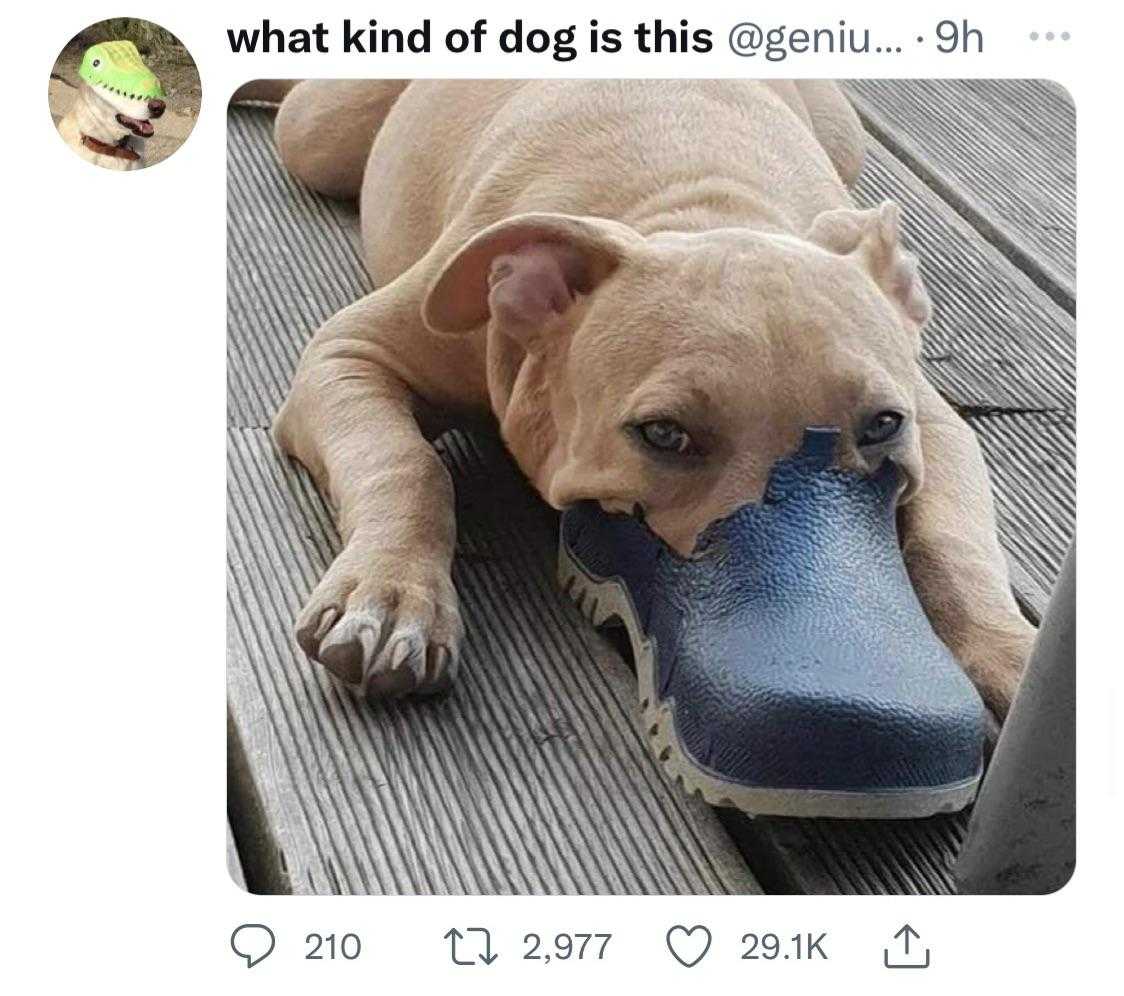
117, 100
652, 288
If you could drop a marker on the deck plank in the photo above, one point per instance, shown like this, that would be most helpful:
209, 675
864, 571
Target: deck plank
1031, 457
1001, 151
533, 775
996, 339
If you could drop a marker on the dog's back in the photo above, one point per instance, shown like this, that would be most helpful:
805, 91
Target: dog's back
457, 152
594, 147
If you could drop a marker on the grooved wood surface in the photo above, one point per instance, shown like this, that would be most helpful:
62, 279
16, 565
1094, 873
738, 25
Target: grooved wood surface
532, 776
854, 857
1032, 460
996, 339
1002, 151
292, 261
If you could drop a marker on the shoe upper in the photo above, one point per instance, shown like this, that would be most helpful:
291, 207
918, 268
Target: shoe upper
791, 646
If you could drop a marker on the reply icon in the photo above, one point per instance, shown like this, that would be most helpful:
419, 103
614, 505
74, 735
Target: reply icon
252, 941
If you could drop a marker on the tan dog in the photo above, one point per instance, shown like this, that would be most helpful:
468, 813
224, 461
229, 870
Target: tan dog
108, 130
653, 287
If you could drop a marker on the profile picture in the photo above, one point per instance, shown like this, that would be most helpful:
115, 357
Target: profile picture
124, 93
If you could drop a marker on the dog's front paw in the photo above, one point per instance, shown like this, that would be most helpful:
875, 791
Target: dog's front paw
385, 624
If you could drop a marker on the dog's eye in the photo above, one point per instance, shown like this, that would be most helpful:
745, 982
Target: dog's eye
665, 435
881, 428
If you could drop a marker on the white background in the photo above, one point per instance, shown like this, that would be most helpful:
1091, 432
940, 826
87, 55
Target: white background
113, 552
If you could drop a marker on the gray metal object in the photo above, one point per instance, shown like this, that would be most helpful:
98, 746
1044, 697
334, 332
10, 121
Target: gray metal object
1022, 836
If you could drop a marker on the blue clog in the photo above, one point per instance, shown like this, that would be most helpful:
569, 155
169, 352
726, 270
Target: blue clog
787, 667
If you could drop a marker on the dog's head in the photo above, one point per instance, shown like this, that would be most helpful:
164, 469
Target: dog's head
124, 92
669, 373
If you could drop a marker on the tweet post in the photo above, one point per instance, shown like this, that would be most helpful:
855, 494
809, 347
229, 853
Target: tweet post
648, 509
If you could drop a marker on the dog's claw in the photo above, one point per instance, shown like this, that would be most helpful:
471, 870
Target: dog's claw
409, 652
312, 628
441, 669
350, 646
328, 619
382, 639
398, 653
398, 669
388, 685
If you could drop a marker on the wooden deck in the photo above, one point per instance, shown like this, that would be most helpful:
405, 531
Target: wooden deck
533, 775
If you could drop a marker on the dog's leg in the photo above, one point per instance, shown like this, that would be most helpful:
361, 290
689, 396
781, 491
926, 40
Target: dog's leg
953, 556
263, 91
836, 125
325, 130
384, 617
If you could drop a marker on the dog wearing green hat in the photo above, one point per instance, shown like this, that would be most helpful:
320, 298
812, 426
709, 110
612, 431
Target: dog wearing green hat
118, 99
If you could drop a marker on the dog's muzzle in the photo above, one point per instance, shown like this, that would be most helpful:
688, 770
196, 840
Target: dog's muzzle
800, 670
140, 127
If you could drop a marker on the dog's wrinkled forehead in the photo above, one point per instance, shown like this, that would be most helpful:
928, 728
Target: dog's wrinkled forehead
739, 292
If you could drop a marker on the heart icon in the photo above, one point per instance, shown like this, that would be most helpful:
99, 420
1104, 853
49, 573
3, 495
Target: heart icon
689, 945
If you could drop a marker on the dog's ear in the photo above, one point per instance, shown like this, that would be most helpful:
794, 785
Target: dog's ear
874, 238
525, 271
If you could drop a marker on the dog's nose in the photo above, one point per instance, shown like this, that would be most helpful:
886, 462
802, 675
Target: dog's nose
156, 108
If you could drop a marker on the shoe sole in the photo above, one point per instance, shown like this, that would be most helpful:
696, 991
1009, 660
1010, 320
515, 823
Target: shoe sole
603, 600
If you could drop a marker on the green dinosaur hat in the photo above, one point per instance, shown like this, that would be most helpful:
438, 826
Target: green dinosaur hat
117, 66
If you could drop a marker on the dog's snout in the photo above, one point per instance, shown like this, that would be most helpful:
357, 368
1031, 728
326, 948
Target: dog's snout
156, 108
